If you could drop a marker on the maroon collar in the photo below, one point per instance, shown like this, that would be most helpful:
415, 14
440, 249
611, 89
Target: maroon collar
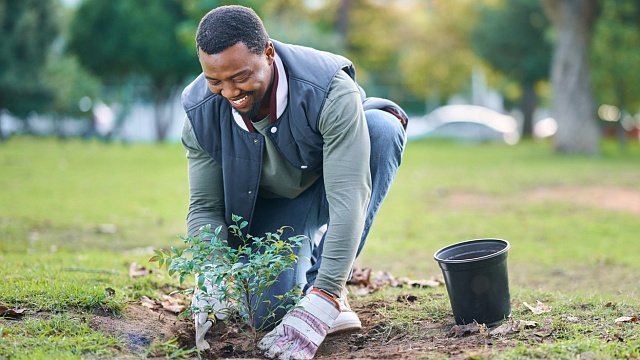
272, 102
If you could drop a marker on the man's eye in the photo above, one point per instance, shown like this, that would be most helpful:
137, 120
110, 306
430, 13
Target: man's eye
241, 80
214, 83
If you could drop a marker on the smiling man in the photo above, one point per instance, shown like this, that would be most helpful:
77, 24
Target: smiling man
282, 135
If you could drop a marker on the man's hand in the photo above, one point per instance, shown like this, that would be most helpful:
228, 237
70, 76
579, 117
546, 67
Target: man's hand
303, 329
205, 303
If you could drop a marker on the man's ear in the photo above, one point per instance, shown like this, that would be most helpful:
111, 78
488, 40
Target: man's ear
270, 52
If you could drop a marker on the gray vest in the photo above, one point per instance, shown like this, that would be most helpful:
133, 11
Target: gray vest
295, 133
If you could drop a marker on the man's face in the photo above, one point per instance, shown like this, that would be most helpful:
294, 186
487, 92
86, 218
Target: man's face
241, 76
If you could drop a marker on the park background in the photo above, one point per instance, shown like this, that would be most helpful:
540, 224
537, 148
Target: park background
93, 176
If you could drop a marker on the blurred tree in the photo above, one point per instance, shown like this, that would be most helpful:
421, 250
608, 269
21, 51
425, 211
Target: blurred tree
511, 38
436, 59
28, 30
119, 40
616, 55
72, 83
572, 102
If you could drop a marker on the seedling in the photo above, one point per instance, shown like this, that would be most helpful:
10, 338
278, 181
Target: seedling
240, 274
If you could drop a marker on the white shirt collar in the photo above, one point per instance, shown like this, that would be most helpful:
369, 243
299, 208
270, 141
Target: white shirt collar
282, 95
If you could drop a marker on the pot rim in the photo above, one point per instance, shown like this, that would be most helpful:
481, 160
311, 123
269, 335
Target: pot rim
495, 254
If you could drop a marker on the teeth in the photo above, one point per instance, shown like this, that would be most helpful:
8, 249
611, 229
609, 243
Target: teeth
239, 101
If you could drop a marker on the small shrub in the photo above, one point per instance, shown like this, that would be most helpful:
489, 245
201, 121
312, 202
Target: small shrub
240, 274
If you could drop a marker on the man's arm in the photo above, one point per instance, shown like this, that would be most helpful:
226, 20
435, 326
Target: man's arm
347, 180
206, 196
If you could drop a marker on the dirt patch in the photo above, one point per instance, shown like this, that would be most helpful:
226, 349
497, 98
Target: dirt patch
601, 197
139, 327
610, 198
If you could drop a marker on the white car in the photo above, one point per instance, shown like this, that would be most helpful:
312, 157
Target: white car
469, 123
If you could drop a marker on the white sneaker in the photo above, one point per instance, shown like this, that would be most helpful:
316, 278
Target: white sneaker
209, 301
347, 320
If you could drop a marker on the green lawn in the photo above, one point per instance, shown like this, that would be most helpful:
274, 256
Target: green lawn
74, 215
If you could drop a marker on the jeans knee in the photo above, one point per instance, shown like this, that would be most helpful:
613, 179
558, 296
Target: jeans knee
386, 133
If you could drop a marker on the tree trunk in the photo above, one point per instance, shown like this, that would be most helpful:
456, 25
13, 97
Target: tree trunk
163, 111
342, 19
528, 105
1, 132
573, 105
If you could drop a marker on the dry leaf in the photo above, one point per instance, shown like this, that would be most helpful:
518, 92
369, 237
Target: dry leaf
360, 277
431, 283
513, 326
136, 270
626, 319
540, 307
174, 308
408, 298
148, 303
175, 302
363, 291
11, 313
384, 278
464, 330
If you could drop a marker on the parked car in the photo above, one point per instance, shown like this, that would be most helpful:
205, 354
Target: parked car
469, 123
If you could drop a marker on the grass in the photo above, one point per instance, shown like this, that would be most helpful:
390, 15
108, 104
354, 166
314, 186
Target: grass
74, 215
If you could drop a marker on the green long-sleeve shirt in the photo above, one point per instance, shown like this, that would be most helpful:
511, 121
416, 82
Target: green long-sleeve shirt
345, 170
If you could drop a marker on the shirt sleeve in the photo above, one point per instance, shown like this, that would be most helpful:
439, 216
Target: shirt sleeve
206, 194
347, 180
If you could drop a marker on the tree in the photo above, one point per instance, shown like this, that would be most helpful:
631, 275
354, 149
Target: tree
616, 55
72, 83
436, 59
511, 38
120, 40
573, 104
28, 30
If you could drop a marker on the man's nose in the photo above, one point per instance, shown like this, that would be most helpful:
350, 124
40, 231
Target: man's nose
230, 91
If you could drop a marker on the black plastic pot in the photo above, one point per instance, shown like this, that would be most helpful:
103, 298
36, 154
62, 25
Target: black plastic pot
475, 273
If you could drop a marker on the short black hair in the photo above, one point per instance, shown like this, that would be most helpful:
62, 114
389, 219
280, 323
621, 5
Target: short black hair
225, 26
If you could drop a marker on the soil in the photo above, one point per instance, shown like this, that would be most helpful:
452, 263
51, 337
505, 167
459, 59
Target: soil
138, 327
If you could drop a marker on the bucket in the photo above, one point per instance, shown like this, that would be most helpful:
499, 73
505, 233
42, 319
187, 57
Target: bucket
475, 274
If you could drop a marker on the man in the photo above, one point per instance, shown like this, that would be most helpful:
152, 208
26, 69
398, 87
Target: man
278, 135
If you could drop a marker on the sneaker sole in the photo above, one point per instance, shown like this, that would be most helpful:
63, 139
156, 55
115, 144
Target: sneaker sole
345, 327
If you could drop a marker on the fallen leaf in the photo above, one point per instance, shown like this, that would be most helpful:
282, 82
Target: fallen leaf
174, 308
626, 319
408, 298
360, 277
464, 330
136, 270
540, 307
513, 326
175, 302
527, 324
363, 291
9, 313
148, 303
431, 283
384, 278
